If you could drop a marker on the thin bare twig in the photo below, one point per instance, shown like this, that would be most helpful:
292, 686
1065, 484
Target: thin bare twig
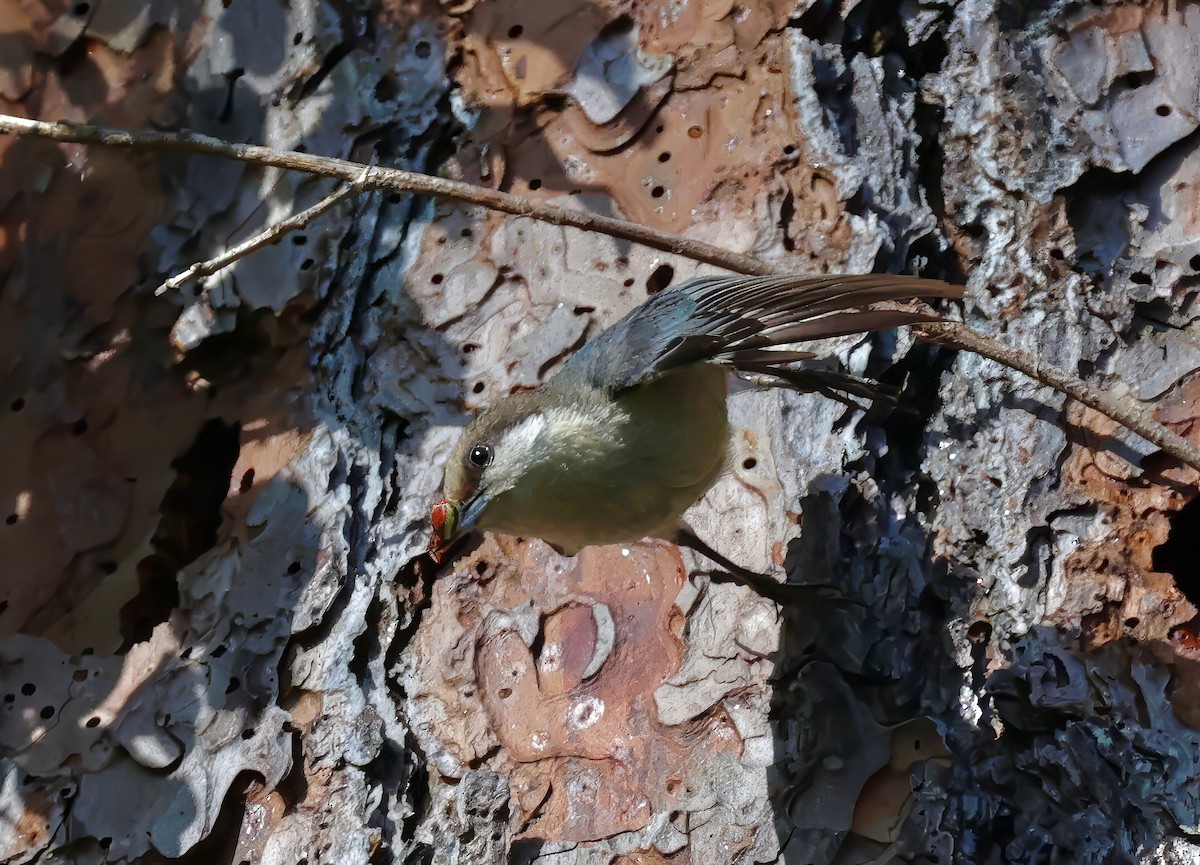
201, 269
392, 179
951, 334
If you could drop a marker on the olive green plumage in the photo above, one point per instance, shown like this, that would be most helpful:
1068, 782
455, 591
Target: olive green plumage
633, 429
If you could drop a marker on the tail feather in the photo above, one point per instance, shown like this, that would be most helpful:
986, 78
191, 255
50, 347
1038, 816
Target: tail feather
835, 324
760, 312
833, 384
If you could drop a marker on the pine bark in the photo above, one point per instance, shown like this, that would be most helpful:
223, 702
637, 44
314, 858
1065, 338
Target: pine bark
216, 645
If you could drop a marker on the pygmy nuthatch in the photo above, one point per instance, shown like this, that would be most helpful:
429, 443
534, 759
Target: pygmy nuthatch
633, 430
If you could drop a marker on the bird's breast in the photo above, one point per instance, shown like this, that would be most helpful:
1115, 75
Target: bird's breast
622, 468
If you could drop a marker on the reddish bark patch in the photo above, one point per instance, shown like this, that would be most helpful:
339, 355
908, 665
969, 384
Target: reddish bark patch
564, 658
1130, 597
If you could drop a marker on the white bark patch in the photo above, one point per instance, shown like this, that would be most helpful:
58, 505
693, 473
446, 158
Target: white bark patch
586, 713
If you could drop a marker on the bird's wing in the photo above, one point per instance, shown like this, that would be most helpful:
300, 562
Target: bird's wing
736, 319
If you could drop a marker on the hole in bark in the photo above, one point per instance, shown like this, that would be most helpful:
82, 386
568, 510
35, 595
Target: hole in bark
695, 131
1176, 555
294, 568
79, 427
47, 713
657, 192
436, 279
535, 184
247, 482
665, 156
979, 632
388, 87
422, 50
1133, 80
1163, 110
504, 693
660, 279
93, 721
478, 388
515, 31
11, 519
18, 403
749, 463
1193, 263
28, 689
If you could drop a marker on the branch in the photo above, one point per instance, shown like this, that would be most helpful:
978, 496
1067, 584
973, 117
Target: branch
266, 237
391, 179
1124, 411
950, 334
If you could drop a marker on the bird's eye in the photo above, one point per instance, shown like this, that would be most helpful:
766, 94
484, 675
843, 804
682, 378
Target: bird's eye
481, 456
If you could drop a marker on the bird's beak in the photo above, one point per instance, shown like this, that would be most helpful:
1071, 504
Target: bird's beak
452, 520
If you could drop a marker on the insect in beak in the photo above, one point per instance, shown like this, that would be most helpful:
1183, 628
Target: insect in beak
444, 518
452, 520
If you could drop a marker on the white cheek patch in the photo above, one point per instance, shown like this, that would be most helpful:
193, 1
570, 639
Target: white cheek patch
516, 449
522, 438
561, 434
573, 425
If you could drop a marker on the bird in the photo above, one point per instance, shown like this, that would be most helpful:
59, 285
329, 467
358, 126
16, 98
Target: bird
633, 429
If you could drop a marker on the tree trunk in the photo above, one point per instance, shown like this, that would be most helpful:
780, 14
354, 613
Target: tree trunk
217, 645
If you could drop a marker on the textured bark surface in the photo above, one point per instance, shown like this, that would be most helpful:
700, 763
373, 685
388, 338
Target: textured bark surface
212, 646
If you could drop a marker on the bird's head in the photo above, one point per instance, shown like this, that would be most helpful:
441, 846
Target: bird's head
491, 457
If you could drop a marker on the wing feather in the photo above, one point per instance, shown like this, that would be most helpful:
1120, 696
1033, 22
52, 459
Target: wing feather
715, 318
